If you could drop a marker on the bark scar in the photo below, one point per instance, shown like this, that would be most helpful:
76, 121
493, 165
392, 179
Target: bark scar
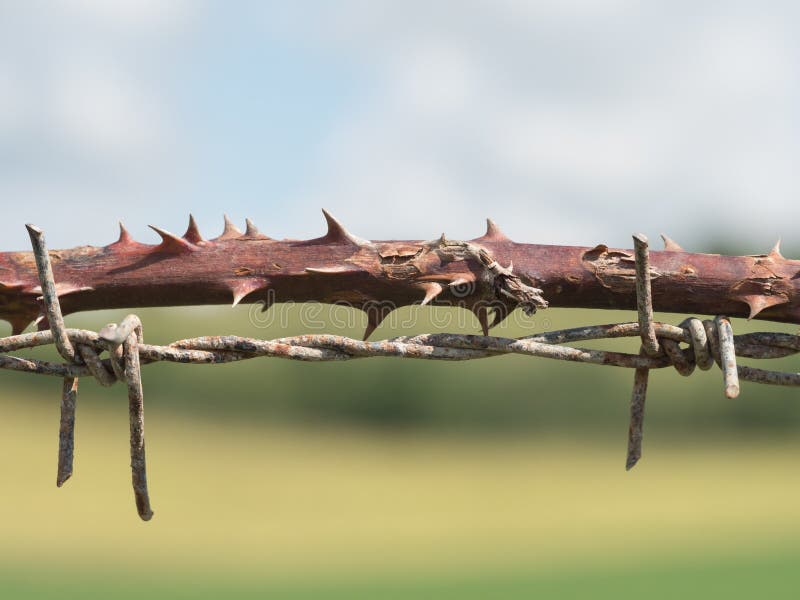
614, 269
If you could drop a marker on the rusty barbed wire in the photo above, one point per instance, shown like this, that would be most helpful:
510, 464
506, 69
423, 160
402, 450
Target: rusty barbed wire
706, 342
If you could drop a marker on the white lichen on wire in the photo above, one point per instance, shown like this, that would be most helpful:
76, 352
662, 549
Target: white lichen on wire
706, 341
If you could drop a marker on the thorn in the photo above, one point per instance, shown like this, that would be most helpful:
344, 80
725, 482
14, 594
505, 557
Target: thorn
775, 253
375, 316
759, 302
230, 231
431, 290
499, 315
69, 288
481, 313
41, 322
461, 281
125, 238
251, 228
171, 243
268, 302
337, 233
373, 320
671, 245
252, 232
338, 270
19, 324
62, 289
192, 234
493, 233
242, 288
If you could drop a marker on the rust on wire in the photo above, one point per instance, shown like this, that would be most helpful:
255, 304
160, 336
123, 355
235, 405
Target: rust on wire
644, 295
727, 355
649, 347
635, 428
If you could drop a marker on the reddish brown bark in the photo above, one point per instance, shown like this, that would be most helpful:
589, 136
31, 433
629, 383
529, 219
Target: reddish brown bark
377, 276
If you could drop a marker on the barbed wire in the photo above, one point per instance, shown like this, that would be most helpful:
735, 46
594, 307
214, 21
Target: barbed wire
706, 342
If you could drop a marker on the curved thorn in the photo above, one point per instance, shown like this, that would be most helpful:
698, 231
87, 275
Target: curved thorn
373, 320
192, 234
19, 324
493, 233
171, 243
499, 315
338, 270
125, 237
670, 244
431, 290
775, 253
252, 233
251, 229
375, 316
241, 288
464, 280
483, 319
230, 231
337, 232
759, 302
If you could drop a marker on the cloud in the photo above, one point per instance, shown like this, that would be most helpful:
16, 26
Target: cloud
103, 113
84, 122
619, 118
132, 15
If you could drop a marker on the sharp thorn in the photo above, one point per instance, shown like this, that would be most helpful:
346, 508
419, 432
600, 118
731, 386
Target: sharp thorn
63, 289
493, 233
230, 231
338, 270
375, 316
125, 238
171, 243
337, 233
192, 234
760, 302
42, 323
19, 324
775, 253
483, 319
252, 233
499, 315
431, 290
241, 288
463, 280
251, 230
670, 244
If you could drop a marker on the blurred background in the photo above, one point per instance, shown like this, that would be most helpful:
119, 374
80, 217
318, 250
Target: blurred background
573, 122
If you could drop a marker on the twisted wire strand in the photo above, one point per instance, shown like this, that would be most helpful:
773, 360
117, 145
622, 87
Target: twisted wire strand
699, 351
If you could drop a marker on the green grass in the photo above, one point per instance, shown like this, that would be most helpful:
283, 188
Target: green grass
772, 576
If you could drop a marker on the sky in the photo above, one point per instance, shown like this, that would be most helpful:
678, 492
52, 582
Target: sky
566, 121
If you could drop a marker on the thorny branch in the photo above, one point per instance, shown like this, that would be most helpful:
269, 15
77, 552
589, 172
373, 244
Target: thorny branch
486, 284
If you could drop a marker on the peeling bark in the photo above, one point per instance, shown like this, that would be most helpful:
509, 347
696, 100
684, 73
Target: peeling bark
378, 276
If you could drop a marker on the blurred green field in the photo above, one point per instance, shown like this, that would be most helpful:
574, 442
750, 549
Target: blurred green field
499, 478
